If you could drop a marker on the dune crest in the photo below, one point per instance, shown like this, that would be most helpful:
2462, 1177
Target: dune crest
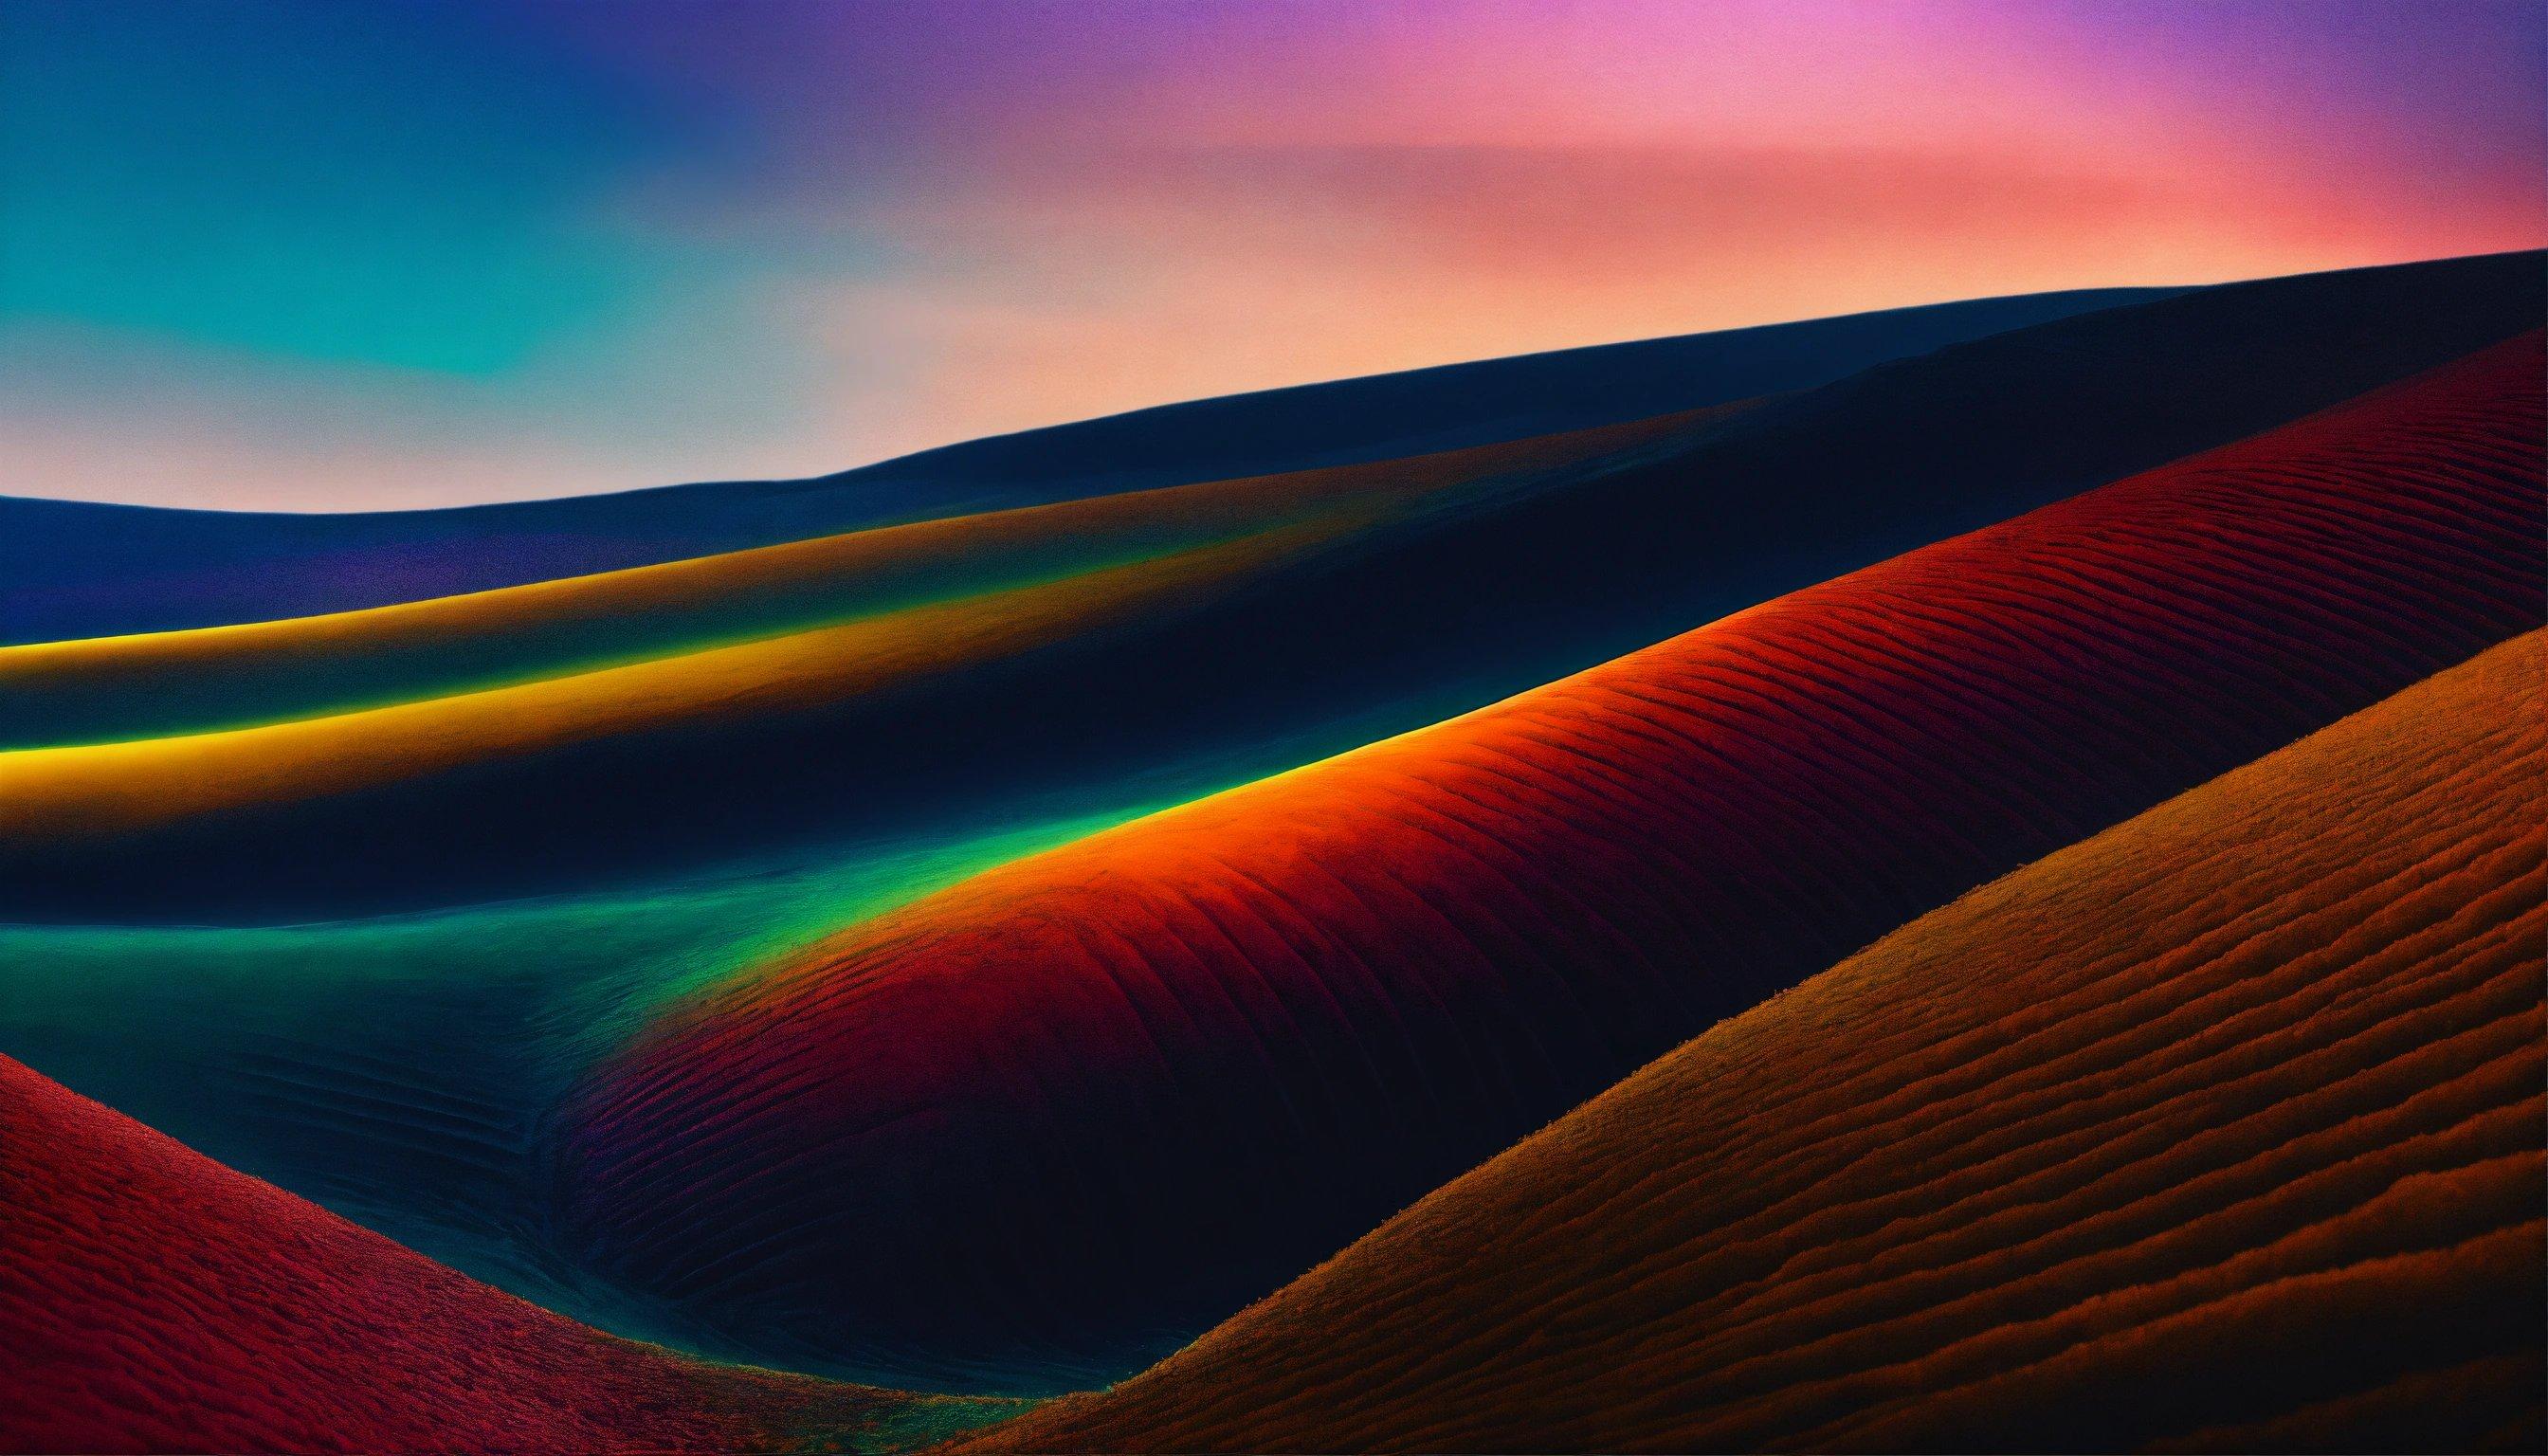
2218, 1131
1052, 1117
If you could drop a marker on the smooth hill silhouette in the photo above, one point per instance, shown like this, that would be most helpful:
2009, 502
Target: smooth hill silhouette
72, 569
2218, 1131
152, 1300
1139, 682
1052, 1121
154, 684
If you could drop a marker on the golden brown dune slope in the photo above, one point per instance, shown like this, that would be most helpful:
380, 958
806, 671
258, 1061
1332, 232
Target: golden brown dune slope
2220, 1129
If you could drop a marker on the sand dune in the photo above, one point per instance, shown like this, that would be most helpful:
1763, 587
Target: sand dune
1036, 1126
2220, 1131
76, 568
1101, 657
151, 1300
157, 685
978, 923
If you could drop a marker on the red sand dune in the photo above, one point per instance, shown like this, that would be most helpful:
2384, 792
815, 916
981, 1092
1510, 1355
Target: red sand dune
2218, 1131
1076, 1108
152, 1300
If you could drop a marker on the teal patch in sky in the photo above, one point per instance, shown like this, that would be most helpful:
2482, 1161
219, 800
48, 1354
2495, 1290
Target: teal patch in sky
369, 183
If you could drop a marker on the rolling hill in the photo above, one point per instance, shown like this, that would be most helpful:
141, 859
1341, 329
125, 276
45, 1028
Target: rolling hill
985, 951
151, 1300
76, 568
835, 697
1053, 1120
160, 684
2220, 1131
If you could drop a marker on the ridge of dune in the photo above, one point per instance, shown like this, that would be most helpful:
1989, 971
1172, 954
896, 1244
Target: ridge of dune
156, 684
1177, 687
1375, 628
2217, 1130
152, 1300
78, 568
99, 791
1067, 1113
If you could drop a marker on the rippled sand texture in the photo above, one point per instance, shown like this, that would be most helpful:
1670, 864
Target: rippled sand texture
1085, 1097
2218, 1131
152, 1300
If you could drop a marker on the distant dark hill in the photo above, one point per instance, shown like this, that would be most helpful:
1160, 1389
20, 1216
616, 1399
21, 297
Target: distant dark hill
80, 570
1053, 1121
1186, 673
2220, 1131
107, 690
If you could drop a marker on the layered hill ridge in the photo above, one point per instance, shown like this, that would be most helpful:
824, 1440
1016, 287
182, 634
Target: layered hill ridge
152, 1300
2220, 1131
1036, 1127
74, 569
1158, 667
483, 918
167, 683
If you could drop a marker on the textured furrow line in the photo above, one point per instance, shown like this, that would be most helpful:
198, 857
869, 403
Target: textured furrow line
2421, 1210
1963, 1218
1687, 926
2040, 1289
2031, 1082
2015, 1065
1313, 943
1323, 947
1985, 690
2122, 590
2353, 598
1937, 1313
1816, 1110
1848, 709
2192, 1359
1244, 994
1678, 1283
1438, 988
1801, 1234
1815, 804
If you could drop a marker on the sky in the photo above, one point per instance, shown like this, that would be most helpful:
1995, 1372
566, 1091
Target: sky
367, 255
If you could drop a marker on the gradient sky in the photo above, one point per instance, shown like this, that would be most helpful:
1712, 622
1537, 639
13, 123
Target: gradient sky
354, 254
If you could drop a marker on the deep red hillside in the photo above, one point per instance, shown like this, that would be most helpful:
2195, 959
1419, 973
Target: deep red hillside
152, 1300
1057, 1118
2220, 1131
